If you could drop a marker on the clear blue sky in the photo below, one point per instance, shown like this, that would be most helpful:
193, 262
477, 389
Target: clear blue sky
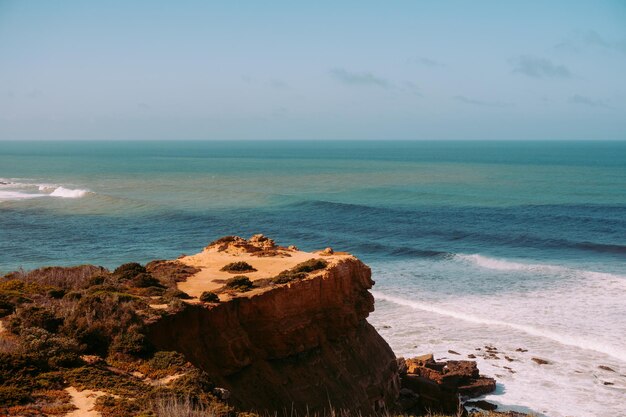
314, 70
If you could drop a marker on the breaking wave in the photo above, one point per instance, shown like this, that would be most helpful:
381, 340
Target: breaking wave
564, 339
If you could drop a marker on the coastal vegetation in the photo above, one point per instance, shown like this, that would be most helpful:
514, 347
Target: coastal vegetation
209, 297
84, 327
299, 271
239, 266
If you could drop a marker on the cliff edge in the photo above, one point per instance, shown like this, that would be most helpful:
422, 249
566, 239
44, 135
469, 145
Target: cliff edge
284, 329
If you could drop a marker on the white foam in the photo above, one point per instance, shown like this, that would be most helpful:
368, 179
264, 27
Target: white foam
17, 195
502, 265
68, 193
565, 339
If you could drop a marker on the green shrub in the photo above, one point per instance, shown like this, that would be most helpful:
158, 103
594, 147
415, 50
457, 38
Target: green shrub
163, 360
128, 271
209, 297
299, 271
170, 272
57, 350
145, 280
97, 318
97, 280
33, 316
7, 305
92, 377
11, 395
240, 266
176, 293
56, 293
131, 342
239, 282
310, 265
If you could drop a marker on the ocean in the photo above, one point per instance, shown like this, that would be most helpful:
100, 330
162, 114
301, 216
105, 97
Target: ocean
517, 245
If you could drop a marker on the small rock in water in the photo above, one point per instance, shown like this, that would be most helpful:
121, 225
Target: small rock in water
521, 350
540, 361
453, 352
471, 356
482, 404
608, 383
606, 368
509, 359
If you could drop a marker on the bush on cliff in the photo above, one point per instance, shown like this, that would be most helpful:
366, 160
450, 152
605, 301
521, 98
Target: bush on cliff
299, 271
240, 266
209, 297
240, 283
145, 280
34, 316
127, 272
170, 272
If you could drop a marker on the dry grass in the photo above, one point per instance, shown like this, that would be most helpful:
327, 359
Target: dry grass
185, 407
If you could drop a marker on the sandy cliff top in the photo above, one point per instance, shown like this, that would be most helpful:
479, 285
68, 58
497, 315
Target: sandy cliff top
262, 253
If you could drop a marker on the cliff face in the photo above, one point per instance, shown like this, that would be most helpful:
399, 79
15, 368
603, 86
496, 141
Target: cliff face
304, 344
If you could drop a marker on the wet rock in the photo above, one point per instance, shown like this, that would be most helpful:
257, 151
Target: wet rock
452, 352
608, 383
521, 350
606, 368
478, 387
402, 368
439, 384
471, 356
509, 359
482, 404
540, 361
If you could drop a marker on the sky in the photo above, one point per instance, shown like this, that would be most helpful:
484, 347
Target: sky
323, 70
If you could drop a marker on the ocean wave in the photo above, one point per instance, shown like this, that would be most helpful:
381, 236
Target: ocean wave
564, 339
11, 191
17, 195
602, 247
503, 265
68, 193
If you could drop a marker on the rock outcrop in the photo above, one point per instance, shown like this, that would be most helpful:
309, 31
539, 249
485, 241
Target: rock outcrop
439, 386
300, 345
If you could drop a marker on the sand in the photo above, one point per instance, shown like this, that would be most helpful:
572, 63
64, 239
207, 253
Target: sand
210, 278
84, 402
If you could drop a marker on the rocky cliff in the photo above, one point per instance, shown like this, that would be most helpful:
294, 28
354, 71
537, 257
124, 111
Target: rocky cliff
300, 342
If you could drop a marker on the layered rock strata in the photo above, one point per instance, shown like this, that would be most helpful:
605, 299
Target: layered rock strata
300, 345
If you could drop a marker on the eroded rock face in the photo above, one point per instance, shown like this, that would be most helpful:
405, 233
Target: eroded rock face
440, 384
305, 344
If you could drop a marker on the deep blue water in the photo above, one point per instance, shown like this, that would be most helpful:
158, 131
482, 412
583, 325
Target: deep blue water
562, 201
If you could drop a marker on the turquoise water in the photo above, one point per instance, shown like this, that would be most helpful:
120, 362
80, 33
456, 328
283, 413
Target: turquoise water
471, 242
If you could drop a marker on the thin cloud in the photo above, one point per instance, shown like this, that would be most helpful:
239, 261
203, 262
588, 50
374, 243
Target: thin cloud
475, 102
536, 67
591, 39
412, 88
359, 78
427, 62
587, 101
279, 84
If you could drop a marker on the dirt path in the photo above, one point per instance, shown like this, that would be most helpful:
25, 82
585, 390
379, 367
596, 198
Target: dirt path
84, 401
